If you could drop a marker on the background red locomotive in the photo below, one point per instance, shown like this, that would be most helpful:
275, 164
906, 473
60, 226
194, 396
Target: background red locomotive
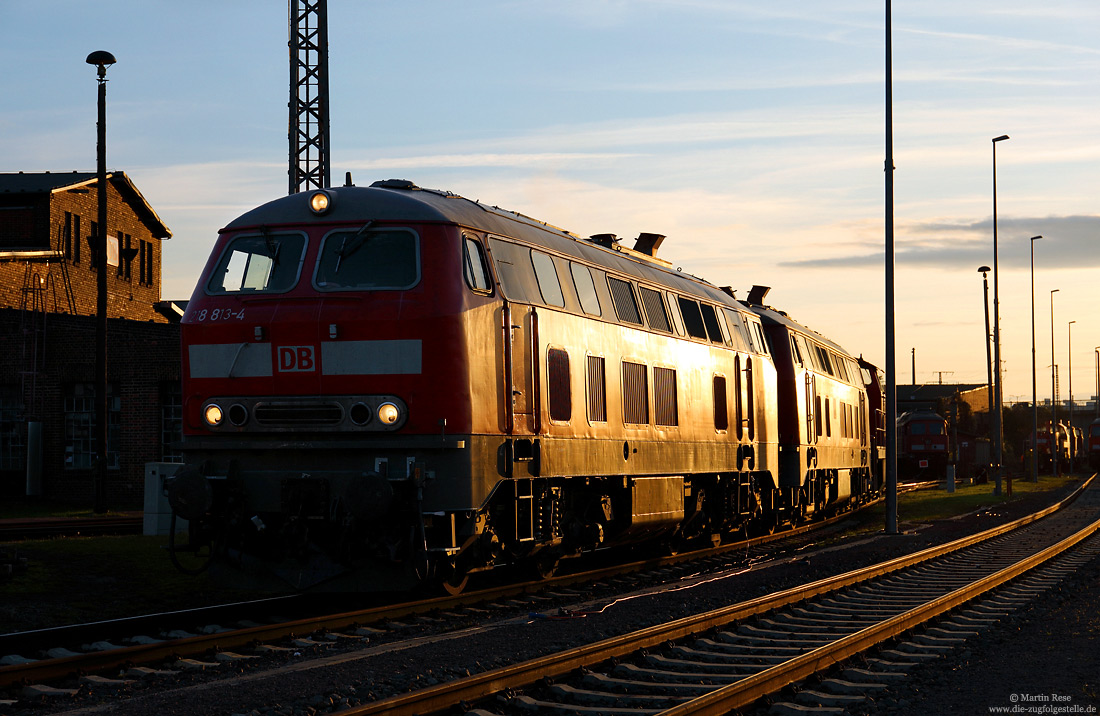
389, 384
1060, 444
923, 446
1093, 444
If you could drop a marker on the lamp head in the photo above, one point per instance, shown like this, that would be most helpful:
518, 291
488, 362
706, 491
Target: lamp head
102, 59
983, 270
1000, 138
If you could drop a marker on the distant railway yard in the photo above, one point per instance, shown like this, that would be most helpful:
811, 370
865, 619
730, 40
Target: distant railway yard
835, 618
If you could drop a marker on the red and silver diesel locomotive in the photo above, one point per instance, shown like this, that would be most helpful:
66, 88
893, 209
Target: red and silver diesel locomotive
388, 385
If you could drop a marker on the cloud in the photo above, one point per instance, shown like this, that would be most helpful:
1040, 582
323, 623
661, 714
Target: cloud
1070, 242
497, 159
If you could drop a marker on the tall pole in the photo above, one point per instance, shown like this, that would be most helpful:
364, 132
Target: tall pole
999, 451
988, 347
1034, 395
1053, 394
891, 372
102, 60
1069, 377
1096, 350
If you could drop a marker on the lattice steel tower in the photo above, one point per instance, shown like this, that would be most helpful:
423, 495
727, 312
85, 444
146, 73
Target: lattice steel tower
308, 130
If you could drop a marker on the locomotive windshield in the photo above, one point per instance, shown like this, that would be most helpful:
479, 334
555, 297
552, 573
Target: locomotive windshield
268, 263
368, 260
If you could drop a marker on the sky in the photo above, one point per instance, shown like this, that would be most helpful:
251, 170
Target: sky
751, 134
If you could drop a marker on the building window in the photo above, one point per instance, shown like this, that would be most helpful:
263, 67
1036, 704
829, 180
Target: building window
17, 227
80, 427
149, 275
114, 243
664, 397
125, 255
13, 436
171, 422
597, 390
71, 237
635, 394
145, 262
93, 246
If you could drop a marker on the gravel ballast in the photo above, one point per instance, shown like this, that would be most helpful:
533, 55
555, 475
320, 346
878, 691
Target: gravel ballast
1030, 652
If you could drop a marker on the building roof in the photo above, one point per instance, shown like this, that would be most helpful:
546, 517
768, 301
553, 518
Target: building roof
32, 183
932, 391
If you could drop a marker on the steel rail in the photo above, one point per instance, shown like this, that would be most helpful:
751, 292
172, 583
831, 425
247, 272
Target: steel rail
479, 686
54, 669
31, 528
753, 688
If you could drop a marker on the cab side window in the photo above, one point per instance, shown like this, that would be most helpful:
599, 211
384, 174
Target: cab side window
474, 266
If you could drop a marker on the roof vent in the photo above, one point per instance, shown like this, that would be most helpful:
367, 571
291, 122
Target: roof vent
394, 184
757, 294
605, 240
648, 243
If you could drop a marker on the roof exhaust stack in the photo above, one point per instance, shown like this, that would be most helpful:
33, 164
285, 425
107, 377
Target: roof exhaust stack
648, 243
757, 294
607, 241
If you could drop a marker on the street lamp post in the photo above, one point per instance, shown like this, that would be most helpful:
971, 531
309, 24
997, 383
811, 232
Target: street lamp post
891, 468
1034, 394
999, 453
1096, 350
101, 59
1069, 377
988, 358
1053, 394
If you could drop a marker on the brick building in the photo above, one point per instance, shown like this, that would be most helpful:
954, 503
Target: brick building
47, 338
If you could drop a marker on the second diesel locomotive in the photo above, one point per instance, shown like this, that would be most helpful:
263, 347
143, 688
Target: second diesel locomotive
923, 446
387, 384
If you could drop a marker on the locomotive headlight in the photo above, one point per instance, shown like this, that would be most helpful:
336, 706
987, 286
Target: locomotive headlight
320, 201
212, 414
388, 413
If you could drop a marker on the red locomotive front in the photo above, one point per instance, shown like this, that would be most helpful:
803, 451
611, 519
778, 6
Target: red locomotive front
922, 444
320, 361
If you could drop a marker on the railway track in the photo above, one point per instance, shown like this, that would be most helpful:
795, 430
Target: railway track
107, 647
728, 659
39, 528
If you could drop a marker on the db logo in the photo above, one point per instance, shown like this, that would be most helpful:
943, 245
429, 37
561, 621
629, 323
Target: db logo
296, 359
